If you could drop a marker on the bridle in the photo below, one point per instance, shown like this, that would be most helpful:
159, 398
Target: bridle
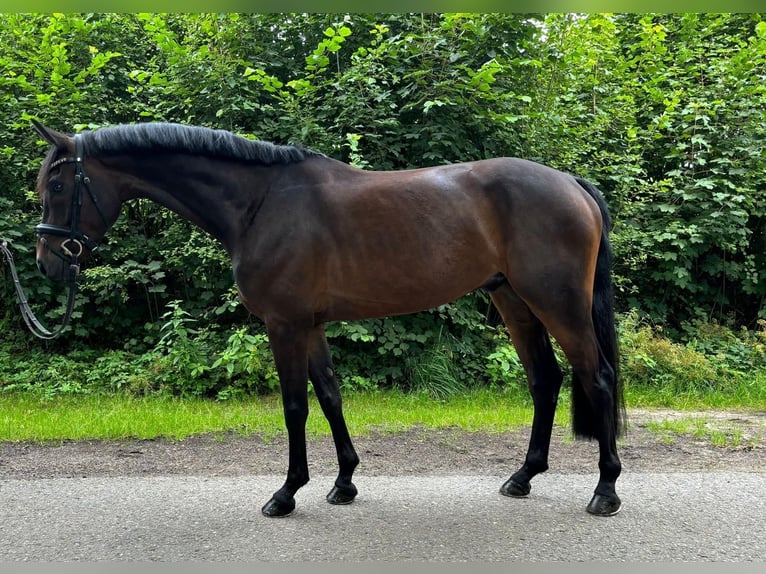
76, 240
70, 249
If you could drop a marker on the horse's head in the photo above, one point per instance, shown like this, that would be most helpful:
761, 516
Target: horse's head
77, 210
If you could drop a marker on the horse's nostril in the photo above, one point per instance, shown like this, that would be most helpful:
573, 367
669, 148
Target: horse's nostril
41, 267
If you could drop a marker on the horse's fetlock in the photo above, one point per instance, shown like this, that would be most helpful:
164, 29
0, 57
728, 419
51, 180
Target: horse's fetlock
610, 470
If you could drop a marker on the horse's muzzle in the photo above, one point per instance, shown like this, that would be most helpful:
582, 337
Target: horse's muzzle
50, 264
41, 267
53, 269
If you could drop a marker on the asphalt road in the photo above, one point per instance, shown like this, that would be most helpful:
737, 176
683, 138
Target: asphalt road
710, 516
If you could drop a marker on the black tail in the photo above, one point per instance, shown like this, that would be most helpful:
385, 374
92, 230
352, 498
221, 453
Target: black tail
583, 417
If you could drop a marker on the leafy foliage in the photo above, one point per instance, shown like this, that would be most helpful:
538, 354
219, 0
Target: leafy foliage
699, 218
664, 112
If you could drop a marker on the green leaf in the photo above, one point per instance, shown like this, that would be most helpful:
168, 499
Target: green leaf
706, 183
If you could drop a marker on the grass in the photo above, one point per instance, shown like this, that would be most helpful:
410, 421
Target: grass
24, 417
65, 397
701, 429
687, 401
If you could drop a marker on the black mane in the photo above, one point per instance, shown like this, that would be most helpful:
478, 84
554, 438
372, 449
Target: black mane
194, 140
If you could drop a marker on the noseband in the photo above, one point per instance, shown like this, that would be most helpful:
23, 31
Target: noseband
72, 247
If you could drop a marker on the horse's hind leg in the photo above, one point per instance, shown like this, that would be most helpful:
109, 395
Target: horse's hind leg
595, 399
544, 378
322, 375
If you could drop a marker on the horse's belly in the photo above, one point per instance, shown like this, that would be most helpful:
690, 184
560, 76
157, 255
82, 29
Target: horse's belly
399, 293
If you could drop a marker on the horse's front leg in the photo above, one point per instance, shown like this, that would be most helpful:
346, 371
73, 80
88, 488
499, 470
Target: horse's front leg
289, 346
322, 375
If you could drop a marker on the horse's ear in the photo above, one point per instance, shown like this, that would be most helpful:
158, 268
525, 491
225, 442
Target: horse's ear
50, 135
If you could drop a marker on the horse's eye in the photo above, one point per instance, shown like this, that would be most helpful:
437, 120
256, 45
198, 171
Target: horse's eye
57, 187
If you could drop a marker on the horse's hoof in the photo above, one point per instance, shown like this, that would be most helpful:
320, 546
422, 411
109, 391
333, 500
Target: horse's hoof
515, 489
278, 508
601, 505
342, 494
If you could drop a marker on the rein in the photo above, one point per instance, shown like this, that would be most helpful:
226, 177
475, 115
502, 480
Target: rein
35, 326
71, 248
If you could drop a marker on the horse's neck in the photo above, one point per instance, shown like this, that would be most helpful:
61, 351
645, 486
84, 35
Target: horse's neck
211, 194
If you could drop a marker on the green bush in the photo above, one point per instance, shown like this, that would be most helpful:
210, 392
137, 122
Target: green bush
671, 131
652, 360
712, 359
247, 365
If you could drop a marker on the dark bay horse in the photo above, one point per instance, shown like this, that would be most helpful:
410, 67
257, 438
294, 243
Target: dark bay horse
314, 240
